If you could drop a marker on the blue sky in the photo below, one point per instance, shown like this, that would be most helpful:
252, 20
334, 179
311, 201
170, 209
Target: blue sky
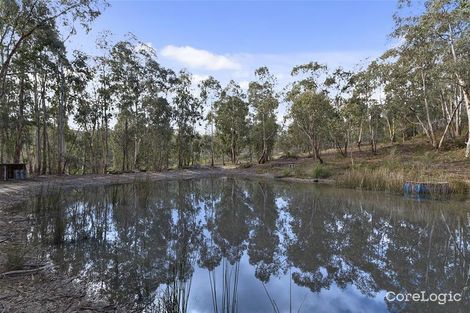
254, 26
230, 39
243, 29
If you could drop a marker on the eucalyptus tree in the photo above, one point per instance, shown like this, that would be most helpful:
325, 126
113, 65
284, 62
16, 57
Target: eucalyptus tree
448, 26
140, 85
187, 114
104, 92
392, 107
87, 113
17, 104
435, 52
311, 109
34, 26
210, 91
312, 112
157, 144
364, 101
342, 124
39, 68
417, 58
292, 141
46, 70
264, 100
231, 112
22, 19
128, 87
376, 77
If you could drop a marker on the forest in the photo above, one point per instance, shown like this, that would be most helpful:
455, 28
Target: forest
67, 112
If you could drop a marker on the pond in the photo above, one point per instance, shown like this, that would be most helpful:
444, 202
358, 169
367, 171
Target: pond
223, 244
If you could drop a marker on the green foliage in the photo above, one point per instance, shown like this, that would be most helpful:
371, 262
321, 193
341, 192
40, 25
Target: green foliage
320, 171
231, 113
187, 113
418, 88
262, 97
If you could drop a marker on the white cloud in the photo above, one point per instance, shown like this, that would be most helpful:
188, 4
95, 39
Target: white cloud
198, 58
241, 66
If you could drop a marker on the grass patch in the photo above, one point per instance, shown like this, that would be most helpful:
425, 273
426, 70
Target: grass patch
392, 180
320, 171
286, 172
377, 179
459, 187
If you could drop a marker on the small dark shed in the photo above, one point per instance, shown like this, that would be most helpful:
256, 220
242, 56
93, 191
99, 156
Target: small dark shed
12, 171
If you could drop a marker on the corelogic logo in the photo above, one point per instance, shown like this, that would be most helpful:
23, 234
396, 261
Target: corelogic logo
423, 296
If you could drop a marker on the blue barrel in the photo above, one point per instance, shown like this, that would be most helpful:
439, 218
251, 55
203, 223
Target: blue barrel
421, 188
407, 188
415, 187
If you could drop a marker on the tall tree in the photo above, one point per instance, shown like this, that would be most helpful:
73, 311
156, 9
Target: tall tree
434, 49
263, 98
22, 19
231, 119
187, 114
128, 88
210, 91
311, 109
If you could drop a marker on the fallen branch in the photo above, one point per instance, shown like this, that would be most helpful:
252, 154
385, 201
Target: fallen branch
22, 272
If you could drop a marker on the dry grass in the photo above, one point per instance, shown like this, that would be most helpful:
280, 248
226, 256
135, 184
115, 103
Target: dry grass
377, 179
391, 176
394, 164
459, 187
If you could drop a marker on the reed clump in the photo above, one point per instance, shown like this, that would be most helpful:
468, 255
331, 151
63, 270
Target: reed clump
392, 180
381, 179
459, 187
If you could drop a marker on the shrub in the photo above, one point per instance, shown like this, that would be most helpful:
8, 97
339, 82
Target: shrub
320, 171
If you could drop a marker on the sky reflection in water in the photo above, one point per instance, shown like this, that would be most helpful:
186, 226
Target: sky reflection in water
256, 246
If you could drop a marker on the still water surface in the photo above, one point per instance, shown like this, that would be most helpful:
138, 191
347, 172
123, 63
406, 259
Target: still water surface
231, 245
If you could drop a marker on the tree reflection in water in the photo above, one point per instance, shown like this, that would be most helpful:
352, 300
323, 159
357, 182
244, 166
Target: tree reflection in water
141, 243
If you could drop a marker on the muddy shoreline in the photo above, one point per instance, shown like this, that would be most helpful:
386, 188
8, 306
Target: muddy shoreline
45, 290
